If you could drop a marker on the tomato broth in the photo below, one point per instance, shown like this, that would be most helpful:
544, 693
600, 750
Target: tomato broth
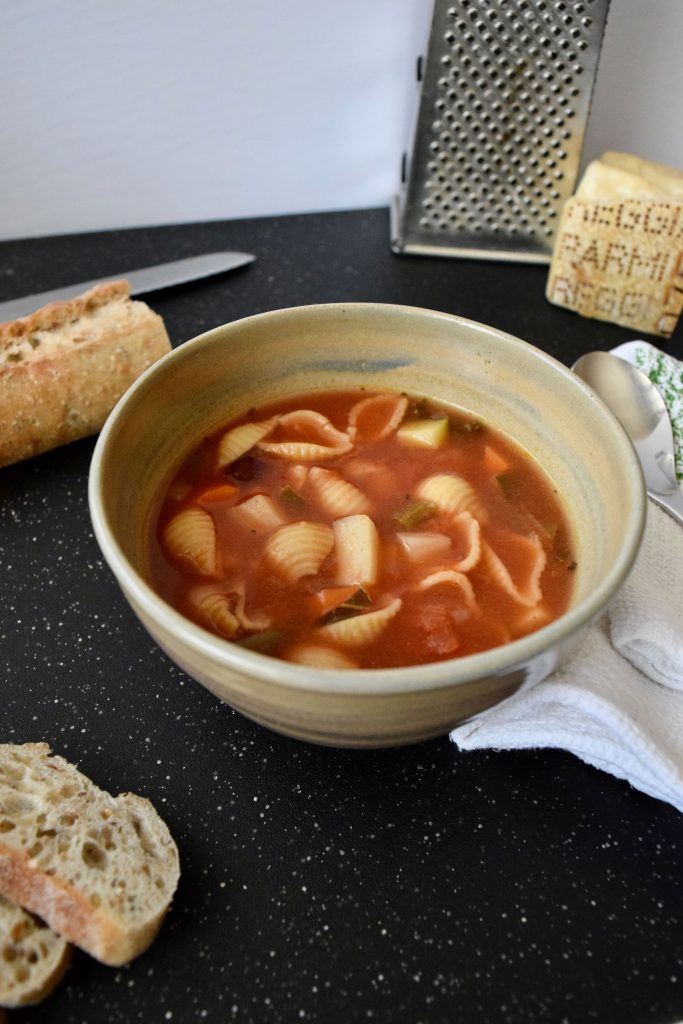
363, 529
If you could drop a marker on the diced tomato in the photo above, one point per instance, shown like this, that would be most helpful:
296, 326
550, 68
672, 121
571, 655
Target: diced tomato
438, 628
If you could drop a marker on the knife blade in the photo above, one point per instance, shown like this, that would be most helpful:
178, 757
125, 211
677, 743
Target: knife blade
147, 279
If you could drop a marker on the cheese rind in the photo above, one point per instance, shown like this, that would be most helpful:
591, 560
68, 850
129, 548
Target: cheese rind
618, 254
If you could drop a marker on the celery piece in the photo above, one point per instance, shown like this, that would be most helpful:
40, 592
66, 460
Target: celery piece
424, 433
414, 514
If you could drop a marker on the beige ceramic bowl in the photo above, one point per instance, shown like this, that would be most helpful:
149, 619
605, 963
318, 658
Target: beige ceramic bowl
515, 387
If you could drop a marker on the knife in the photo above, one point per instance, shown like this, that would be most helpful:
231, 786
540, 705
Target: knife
147, 279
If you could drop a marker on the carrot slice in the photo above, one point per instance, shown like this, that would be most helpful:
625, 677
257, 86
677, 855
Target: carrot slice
330, 597
494, 462
221, 492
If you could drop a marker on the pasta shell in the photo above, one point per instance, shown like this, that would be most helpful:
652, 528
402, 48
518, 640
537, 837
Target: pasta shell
521, 576
308, 437
190, 537
334, 494
246, 620
374, 418
467, 536
228, 603
226, 608
451, 494
361, 629
299, 549
451, 578
217, 611
240, 440
319, 656
297, 476
531, 619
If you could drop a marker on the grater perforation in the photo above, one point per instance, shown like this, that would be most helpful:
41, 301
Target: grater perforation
505, 93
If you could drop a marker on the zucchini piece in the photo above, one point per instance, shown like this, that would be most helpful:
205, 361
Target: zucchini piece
414, 514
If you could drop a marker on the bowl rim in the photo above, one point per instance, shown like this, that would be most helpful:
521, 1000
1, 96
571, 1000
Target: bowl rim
497, 661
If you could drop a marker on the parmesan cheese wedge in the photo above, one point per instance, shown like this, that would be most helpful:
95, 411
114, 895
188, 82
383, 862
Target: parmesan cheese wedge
618, 254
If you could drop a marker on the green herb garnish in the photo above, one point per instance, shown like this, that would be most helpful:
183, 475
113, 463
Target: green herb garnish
467, 426
414, 514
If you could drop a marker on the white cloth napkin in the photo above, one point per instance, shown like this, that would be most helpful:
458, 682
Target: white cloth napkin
618, 702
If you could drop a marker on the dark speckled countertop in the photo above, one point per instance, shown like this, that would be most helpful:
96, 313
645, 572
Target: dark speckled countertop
416, 885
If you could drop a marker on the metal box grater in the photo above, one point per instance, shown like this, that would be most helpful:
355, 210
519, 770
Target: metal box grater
506, 87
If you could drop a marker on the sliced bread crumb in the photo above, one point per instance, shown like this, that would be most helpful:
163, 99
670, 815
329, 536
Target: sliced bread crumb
32, 957
100, 870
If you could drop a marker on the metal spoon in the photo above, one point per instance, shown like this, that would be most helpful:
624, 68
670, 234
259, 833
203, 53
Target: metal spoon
638, 405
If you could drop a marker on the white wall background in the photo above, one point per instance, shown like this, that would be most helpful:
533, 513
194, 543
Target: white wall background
133, 112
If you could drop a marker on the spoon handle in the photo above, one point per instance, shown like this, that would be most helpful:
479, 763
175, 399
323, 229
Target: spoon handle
671, 503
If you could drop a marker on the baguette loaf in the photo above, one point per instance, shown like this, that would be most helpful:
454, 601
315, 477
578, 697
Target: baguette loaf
32, 957
618, 254
101, 871
64, 367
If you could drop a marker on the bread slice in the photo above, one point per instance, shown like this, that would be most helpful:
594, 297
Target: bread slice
618, 253
63, 368
101, 871
33, 958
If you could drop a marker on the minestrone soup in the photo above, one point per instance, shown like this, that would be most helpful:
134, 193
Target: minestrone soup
360, 529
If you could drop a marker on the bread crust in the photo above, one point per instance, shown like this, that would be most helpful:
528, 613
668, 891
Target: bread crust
33, 958
70, 915
64, 367
58, 314
31, 877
